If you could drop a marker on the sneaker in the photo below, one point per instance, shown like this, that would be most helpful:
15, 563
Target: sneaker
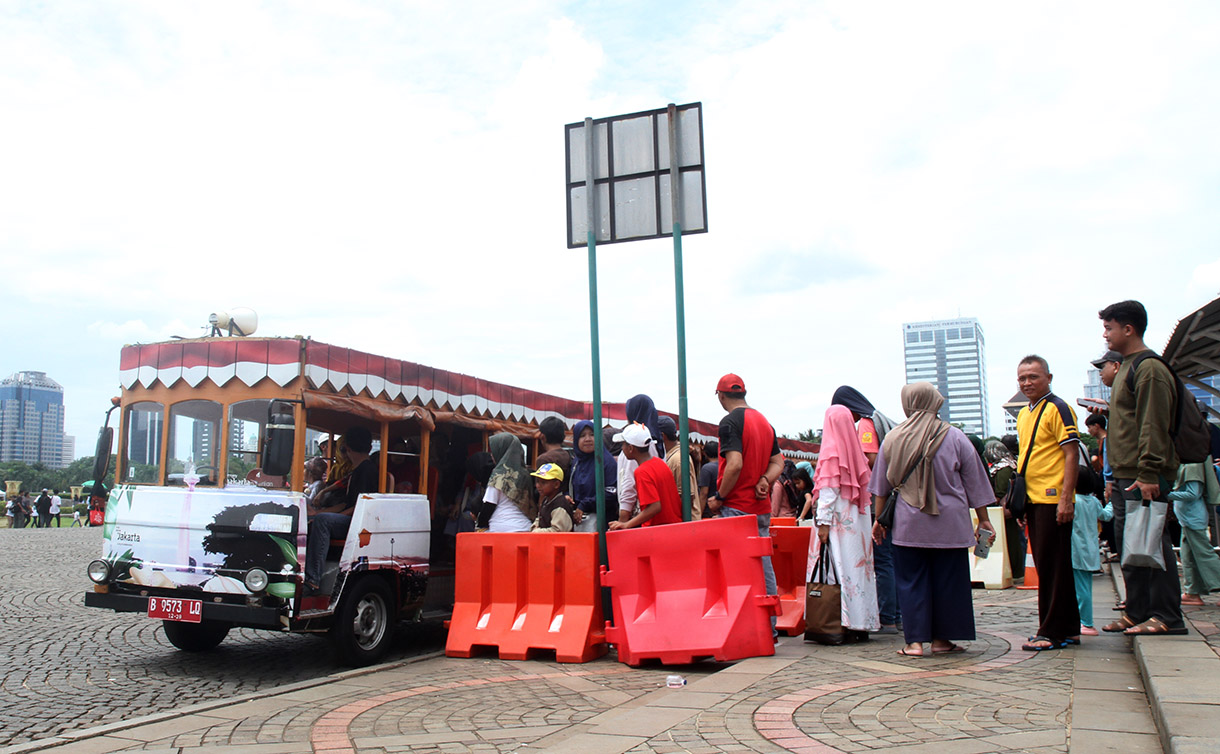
888, 630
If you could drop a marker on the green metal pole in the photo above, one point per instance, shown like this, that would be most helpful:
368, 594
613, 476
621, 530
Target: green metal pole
675, 208
599, 441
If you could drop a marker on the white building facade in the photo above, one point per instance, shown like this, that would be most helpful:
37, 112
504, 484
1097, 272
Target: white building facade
951, 354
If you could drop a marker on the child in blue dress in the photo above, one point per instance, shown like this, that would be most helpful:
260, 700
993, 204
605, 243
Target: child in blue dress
1086, 550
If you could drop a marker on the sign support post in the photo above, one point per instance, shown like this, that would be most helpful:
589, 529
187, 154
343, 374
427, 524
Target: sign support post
599, 440
675, 208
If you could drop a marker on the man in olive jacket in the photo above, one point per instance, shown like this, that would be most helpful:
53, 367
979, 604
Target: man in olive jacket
1144, 462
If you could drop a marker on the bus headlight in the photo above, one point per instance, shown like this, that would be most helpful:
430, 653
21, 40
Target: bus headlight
99, 571
256, 579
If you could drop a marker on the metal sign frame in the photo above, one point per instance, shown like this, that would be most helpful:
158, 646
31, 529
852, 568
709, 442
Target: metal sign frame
617, 171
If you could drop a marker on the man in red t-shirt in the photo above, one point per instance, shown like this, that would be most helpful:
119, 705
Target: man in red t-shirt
654, 483
750, 463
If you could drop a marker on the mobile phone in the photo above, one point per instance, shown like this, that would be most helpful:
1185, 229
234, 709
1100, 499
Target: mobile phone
983, 540
1093, 403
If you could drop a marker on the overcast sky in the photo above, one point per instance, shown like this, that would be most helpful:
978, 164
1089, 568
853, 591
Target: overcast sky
388, 176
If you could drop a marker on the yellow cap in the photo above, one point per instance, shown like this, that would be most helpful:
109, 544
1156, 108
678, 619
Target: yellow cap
549, 471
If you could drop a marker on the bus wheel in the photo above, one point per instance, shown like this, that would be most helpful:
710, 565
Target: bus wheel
364, 626
195, 637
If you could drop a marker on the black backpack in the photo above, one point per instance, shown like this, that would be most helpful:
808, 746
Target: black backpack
1189, 431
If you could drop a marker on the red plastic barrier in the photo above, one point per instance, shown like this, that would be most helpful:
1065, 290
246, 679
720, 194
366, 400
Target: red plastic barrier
783, 521
526, 592
687, 591
790, 559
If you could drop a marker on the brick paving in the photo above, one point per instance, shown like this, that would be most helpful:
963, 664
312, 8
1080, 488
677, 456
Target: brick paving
807, 698
66, 667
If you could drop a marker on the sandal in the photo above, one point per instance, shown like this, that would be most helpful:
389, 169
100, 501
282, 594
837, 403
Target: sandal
1192, 599
1152, 626
905, 653
952, 649
1033, 645
1122, 624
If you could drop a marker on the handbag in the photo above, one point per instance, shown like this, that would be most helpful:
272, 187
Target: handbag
1142, 534
96, 517
823, 606
1016, 498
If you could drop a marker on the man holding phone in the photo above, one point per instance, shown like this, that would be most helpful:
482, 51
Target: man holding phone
1144, 461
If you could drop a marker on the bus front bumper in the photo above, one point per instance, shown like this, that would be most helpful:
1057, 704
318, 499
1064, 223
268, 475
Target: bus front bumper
238, 615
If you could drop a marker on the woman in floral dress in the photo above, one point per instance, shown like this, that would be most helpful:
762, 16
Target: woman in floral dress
840, 490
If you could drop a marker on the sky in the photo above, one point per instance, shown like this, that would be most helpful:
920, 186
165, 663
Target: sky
388, 176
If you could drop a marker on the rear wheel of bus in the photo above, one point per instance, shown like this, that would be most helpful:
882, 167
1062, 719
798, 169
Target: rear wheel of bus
195, 637
365, 620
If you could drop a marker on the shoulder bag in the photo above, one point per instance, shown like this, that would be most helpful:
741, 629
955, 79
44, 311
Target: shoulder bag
1016, 498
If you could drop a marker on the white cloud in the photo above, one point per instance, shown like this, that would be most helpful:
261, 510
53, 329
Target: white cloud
388, 177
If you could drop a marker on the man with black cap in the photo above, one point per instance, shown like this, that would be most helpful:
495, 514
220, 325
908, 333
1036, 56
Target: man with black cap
750, 463
1095, 425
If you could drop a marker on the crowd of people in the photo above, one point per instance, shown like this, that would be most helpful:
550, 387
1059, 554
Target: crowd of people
23, 510
905, 571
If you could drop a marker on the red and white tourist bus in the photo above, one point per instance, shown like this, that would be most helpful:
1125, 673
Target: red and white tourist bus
206, 526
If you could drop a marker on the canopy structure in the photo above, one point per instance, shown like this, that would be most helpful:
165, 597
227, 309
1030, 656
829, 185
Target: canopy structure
376, 388
1193, 349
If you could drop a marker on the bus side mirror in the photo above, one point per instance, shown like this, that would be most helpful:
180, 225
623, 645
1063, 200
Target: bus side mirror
101, 454
277, 450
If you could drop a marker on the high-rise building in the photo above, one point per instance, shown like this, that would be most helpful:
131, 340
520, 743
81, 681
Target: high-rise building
951, 355
1207, 399
32, 419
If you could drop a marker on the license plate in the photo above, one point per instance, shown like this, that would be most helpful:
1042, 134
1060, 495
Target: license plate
169, 608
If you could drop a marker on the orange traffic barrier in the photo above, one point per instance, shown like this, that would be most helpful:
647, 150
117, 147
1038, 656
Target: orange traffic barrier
783, 521
1031, 571
521, 593
682, 592
790, 559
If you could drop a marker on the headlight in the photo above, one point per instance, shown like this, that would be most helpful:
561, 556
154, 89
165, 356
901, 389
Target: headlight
256, 579
99, 572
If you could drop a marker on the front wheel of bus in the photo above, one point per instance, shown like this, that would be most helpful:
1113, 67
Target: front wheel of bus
195, 637
365, 622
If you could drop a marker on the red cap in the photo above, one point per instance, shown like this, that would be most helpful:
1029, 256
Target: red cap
731, 383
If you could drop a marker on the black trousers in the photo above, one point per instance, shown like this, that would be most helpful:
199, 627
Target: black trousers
1151, 592
1051, 542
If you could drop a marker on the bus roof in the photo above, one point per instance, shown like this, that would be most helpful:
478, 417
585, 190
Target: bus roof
346, 371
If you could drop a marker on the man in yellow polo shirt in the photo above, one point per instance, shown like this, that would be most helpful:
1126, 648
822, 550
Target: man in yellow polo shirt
1046, 430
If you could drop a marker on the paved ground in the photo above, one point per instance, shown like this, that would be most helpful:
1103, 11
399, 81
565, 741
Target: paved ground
993, 698
68, 667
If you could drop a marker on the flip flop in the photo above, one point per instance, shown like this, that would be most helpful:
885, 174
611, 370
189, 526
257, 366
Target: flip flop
1192, 599
1122, 624
1033, 640
952, 649
1155, 627
905, 653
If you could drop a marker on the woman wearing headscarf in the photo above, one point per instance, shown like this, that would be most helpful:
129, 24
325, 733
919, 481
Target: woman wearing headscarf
840, 489
584, 476
640, 410
862, 414
508, 504
932, 528
1002, 466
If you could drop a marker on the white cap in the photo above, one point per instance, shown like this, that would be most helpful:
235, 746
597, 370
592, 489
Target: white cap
634, 434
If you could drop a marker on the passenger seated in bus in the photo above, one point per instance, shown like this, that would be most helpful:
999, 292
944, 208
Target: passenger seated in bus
508, 504
335, 517
389, 475
553, 430
315, 479
555, 508
403, 466
466, 508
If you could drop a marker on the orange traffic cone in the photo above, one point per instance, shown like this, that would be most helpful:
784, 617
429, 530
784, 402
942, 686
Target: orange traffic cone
1031, 572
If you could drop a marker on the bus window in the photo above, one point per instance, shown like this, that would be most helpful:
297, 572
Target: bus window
142, 450
247, 431
193, 436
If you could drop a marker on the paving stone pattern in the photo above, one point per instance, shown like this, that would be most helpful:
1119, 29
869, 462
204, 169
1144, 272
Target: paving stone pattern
66, 666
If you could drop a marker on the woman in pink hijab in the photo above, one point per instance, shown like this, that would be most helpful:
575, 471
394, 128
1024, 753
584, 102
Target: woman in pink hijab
840, 488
